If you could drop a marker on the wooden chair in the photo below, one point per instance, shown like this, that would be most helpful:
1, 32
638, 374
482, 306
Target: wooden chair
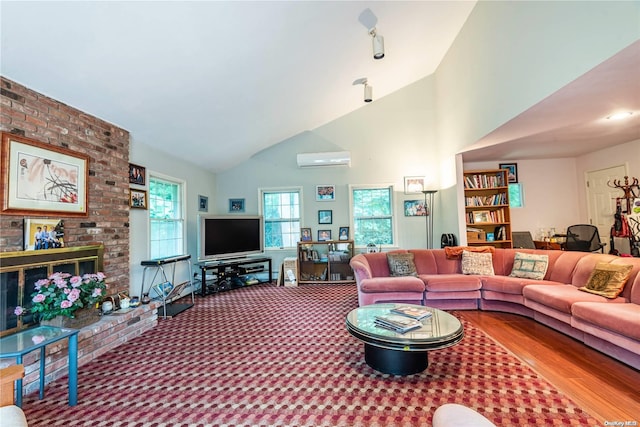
10, 414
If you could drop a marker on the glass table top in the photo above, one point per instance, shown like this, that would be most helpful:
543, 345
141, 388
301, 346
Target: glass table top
25, 341
438, 331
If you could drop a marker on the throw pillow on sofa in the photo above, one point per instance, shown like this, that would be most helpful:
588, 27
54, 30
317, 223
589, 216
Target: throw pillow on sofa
529, 266
401, 265
608, 280
477, 263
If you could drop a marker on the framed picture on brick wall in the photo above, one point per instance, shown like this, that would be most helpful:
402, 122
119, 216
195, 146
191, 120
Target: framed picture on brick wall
42, 179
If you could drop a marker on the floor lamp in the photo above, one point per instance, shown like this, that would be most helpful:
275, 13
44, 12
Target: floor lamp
428, 208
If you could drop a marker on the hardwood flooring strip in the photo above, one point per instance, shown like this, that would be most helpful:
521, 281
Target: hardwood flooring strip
607, 389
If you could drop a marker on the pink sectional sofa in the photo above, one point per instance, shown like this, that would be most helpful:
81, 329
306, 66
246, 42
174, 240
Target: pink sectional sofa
611, 326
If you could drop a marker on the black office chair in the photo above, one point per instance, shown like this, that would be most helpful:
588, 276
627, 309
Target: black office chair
522, 240
583, 238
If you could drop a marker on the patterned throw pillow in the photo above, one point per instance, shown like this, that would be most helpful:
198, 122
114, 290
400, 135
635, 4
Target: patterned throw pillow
529, 266
608, 280
477, 263
401, 265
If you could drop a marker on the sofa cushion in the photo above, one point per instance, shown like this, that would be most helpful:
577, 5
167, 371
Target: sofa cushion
450, 282
607, 279
392, 284
620, 318
561, 297
401, 264
477, 263
529, 266
511, 285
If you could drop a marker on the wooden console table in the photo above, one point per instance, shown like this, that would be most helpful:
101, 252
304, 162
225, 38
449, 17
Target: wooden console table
547, 245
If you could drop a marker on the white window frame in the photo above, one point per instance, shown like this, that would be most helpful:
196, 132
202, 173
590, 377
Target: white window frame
183, 207
394, 213
261, 192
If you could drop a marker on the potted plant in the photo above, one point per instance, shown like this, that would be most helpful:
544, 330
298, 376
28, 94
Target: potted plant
62, 297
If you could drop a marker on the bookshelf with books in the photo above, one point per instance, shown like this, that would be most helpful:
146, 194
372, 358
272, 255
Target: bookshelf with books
325, 262
487, 213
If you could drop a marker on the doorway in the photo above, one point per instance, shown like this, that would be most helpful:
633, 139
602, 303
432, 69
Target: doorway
601, 198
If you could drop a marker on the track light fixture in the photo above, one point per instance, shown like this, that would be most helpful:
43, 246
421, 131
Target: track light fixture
378, 44
368, 90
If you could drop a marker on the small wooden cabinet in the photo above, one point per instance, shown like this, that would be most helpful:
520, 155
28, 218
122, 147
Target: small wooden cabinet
325, 262
488, 216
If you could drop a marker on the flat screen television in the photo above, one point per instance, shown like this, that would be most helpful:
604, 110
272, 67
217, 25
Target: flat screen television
229, 236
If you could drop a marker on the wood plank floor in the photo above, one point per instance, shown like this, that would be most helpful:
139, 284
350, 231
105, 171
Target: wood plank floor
605, 388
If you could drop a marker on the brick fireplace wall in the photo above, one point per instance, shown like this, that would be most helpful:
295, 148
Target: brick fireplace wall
33, 115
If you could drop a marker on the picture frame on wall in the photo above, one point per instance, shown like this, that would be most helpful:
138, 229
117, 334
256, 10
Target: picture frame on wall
40, 234
305, 235
324, 235
512, 169
203, 203
137, 198
325, 193
325, 217
42, 179
413, 184
236, 205
137, 174
414, 208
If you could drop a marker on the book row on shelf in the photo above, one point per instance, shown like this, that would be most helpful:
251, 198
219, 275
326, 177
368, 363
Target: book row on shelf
492, 200
484, 180
495, 216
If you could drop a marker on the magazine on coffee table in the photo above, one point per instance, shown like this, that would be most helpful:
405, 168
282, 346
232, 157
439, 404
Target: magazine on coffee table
397, 323
413, 312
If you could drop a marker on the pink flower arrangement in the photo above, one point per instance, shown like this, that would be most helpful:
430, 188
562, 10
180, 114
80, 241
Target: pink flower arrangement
61, 294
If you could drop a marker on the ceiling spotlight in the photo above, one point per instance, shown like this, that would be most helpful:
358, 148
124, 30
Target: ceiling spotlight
368, 90
378, 44
620, 116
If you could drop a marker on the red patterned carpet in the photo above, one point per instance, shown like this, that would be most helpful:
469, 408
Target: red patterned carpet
273, 356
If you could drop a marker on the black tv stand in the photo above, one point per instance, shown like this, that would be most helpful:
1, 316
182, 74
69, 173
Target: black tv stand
229, 271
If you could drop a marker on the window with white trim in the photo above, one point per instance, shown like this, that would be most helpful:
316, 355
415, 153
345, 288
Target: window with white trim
372, 209
281, 211
166, 217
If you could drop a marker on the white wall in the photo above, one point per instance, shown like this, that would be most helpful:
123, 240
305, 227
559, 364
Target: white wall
624, 154
511, 55
389, 139
198, 182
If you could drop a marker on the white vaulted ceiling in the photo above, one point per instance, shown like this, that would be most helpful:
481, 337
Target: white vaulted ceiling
216, 81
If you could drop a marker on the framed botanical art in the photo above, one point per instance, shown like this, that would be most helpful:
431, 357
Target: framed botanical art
413, 184
236, 205
325, 217
513, 171
325, 193
42, 179
137, 174
137, 198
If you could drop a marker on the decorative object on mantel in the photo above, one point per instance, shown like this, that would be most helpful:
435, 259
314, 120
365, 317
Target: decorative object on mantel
42, 179
66, 300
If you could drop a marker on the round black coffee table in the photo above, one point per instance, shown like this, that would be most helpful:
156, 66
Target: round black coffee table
402, 354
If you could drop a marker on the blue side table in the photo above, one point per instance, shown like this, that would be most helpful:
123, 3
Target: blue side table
23, 342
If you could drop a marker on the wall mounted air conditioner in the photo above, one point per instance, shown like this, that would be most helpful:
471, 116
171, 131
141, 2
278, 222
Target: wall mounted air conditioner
332, 158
